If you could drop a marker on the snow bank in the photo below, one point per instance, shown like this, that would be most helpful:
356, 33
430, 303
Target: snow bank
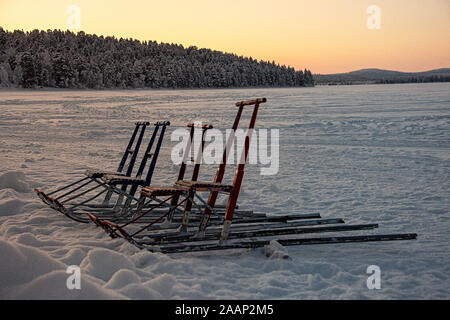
29, 273
13, 202
21, 264
162, 284
122, 278
275, 250
53, 286
103, 263
135, 292
10, 207
14, 180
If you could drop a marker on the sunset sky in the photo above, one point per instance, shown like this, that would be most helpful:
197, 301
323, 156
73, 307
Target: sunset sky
326, 36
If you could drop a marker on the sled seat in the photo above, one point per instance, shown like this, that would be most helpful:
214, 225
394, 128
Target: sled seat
114, 179
183, 186
204, 186
96, 174
160, 191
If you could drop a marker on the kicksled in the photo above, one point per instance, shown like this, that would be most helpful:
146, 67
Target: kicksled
183, 216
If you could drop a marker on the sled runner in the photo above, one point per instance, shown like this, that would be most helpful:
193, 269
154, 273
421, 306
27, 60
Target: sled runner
210, 229
116, 186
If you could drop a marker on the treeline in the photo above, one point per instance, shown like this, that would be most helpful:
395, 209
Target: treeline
64, 59
421, 79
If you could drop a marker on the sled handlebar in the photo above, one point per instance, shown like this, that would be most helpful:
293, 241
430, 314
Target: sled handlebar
203, 126
250, 102
162, 123
157, 123
141, 123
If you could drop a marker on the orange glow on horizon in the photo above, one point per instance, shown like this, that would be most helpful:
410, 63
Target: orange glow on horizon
324, 36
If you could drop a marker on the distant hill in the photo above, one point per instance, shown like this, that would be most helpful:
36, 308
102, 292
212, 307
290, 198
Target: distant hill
63, 59
365, 76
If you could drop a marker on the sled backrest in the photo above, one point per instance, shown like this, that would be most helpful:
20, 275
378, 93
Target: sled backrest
159, 124
132, 148
148, 154
221, 170
187, 153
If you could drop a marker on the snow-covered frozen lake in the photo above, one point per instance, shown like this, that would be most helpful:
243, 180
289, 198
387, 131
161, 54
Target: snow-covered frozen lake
368, 154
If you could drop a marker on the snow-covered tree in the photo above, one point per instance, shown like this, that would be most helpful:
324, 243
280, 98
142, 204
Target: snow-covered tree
65, 59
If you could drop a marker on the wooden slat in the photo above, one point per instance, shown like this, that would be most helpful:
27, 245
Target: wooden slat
250, 102
160, 191
119, 179
204, 186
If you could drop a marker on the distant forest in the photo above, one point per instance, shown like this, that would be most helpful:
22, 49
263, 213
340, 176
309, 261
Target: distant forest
63, 59
379, 76
419, 79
